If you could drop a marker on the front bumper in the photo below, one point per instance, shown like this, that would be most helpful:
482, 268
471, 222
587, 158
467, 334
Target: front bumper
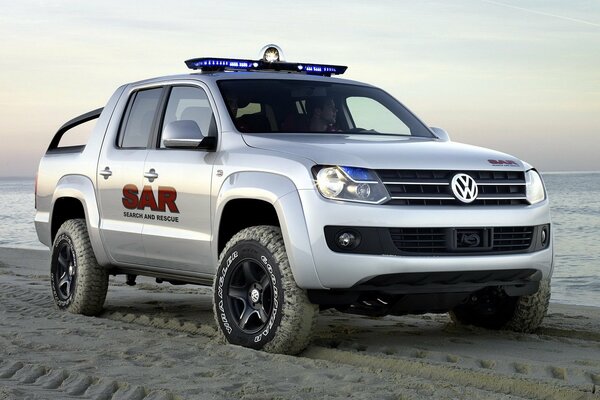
341, 270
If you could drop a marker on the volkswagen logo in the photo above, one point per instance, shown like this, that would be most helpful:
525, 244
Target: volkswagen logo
254, 295
464, 188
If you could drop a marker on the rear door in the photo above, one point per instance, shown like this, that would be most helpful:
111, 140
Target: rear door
120, 178
178, 234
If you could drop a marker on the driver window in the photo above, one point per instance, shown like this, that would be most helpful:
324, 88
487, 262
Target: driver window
369, 114
190, 103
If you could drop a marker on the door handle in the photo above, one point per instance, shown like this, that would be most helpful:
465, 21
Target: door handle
106, 172
151, 175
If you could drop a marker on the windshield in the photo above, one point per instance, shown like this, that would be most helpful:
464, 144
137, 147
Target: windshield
290, 106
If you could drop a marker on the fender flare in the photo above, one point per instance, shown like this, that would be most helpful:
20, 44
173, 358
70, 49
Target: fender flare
282, 194
81, 188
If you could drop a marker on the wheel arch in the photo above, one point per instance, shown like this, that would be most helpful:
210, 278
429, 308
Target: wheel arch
75, 197
234, 218
65, 208
272, 197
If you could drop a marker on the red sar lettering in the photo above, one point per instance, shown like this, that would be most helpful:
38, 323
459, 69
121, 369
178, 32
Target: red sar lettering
166, 198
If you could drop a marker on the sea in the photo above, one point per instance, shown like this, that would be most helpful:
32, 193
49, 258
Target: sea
575, 211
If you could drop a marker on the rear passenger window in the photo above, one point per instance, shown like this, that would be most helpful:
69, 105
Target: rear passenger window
190, 103
137, 129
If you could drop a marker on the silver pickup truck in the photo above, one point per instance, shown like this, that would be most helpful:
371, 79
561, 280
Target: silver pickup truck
291, 191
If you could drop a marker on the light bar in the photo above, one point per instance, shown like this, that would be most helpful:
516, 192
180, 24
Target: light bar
231, 64
216, 64
320, 69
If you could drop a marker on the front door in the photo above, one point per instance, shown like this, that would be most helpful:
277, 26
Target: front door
178, 235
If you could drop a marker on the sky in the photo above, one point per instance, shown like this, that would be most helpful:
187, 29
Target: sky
521, 77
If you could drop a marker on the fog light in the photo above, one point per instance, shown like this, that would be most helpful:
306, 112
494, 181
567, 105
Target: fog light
347, 240
544, 236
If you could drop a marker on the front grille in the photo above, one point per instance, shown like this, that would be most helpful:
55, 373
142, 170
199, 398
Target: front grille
433, 241
428, 187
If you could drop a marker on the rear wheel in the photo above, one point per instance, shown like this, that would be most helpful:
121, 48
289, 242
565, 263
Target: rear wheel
493, 309
79, 284
257, 303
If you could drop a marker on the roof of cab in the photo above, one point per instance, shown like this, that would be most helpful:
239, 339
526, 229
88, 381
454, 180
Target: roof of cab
216, 76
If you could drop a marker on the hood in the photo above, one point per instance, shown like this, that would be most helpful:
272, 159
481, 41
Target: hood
384, 152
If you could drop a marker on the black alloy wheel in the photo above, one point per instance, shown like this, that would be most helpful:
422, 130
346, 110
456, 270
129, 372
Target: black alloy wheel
257, 303
65, 271
250, 295
79, 284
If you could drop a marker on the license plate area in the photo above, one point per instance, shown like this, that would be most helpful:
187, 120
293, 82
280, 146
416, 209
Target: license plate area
471, 239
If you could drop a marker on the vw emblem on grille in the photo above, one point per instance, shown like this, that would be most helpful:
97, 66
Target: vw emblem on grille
464, 188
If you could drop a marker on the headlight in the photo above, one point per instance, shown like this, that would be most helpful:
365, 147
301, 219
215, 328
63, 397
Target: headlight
350, 184
534, 187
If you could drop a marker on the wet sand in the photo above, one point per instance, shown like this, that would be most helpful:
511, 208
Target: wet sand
159, 342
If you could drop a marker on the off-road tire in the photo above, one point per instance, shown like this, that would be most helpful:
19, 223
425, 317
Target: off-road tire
519, 314
87, 291
291, 317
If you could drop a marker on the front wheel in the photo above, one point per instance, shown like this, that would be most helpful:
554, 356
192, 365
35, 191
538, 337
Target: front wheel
257, 303
79, 284
494, 310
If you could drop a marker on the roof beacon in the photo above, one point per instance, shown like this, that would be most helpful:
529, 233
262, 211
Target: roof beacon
271, 53
271, 60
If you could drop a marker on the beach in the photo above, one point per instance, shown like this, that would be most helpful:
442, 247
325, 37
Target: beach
158, 341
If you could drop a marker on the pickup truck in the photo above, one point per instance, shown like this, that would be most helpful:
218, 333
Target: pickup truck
291, 191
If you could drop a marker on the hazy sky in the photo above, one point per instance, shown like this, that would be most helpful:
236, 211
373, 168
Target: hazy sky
519, 76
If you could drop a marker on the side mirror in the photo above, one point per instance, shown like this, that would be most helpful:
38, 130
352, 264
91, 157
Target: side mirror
440, 133
186, 134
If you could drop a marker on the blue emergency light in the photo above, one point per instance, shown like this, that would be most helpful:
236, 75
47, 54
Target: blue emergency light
359, 174
216, 64
270, 62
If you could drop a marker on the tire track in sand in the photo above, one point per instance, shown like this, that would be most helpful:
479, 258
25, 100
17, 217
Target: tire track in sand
38, 381
488, 381
33, 380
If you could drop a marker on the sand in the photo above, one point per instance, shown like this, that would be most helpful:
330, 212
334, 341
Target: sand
158, 342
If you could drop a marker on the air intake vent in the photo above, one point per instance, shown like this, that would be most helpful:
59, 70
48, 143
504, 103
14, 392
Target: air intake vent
447, 241
512, 238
